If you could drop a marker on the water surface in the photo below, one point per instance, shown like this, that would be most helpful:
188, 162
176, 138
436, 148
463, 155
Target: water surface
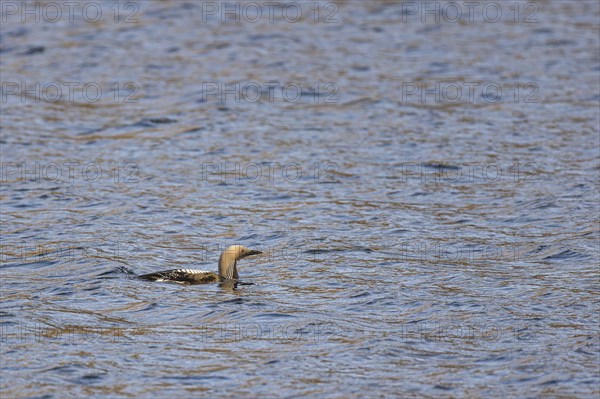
418, 242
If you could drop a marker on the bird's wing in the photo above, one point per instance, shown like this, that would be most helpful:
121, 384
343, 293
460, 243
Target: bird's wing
190, 276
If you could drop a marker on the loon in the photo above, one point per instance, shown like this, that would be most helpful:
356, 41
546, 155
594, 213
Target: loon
227, 269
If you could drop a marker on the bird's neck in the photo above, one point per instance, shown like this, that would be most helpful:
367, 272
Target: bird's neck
228, 266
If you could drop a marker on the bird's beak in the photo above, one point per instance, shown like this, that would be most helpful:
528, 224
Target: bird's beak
253, 252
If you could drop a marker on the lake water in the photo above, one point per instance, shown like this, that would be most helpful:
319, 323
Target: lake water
422, 177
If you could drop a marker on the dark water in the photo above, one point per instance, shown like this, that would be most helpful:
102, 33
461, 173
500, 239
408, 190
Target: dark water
426, 195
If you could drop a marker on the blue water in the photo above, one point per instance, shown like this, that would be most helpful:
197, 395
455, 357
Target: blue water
426, 196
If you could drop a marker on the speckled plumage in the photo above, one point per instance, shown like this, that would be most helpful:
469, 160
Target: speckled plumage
184, 276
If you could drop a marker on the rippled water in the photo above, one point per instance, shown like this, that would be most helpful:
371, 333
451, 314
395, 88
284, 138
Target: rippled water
426, 196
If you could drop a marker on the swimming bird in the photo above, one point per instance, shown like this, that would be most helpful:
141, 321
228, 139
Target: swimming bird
227, 269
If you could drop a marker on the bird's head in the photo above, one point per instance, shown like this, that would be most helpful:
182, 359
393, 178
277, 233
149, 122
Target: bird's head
229, 258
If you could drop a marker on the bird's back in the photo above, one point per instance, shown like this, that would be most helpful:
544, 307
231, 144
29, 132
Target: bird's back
183, 276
